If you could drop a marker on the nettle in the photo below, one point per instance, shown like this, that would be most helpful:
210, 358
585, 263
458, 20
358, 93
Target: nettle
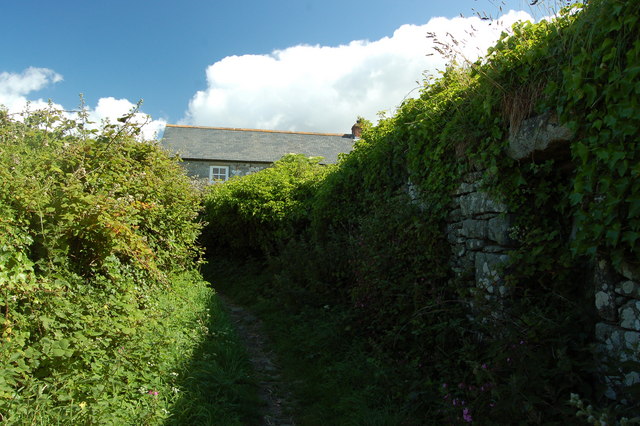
93, 223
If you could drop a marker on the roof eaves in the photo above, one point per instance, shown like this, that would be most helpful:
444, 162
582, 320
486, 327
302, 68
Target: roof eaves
255, 130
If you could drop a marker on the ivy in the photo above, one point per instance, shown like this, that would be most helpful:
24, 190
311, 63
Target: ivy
372, 238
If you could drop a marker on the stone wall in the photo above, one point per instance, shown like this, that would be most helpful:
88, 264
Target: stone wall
480, 232
617, 300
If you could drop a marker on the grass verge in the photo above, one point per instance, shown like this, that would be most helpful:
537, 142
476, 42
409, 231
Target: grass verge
180, 365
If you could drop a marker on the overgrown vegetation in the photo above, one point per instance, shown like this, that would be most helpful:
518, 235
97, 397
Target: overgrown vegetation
368, 269
103, 314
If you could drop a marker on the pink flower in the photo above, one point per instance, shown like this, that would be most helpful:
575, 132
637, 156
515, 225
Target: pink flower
484, 366
466, 415
153, 392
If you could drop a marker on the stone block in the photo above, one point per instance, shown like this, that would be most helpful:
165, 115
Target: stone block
477, 203
630, 315
494, 249
606, 306
628, 288
632, 341
498, 230
475, 245
617, 344
538, 135
487, 268
610, 335
474, 229
465, 188
631, 378
452, 235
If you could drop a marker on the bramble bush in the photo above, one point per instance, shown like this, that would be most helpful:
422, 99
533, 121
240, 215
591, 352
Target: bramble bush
101, 307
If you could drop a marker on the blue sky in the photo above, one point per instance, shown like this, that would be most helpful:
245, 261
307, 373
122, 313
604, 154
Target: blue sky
292, 65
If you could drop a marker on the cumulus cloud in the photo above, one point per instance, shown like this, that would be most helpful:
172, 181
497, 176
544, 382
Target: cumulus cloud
16, 90
14, 87
110, 109
322, 88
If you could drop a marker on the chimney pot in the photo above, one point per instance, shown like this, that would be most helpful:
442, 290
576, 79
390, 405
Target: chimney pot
356, 130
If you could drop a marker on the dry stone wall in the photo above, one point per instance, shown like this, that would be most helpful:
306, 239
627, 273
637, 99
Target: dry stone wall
617, 301
480, 232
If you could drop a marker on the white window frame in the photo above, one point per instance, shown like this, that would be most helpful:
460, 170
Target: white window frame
211, 174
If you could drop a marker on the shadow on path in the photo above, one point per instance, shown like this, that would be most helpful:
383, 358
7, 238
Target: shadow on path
273, 391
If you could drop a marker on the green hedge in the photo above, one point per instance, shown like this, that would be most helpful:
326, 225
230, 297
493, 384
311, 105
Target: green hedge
100, 314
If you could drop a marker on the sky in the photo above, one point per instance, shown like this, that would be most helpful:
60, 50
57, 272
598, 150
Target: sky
296, 65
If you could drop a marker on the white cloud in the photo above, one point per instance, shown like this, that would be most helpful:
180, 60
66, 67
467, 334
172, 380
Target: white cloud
110, 109
16, 88
321, 88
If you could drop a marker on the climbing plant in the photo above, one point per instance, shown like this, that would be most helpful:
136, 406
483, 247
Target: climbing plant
374, 244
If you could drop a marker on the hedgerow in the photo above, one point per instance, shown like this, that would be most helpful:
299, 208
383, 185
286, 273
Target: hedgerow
259, 211
374, 251
101, 306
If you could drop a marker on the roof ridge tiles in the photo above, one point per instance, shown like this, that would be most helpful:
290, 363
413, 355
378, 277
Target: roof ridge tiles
254, 130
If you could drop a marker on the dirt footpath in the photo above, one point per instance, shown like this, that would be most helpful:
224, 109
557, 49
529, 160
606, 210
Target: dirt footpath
273, 391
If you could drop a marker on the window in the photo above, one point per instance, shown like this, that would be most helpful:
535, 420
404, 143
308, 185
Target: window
218, 173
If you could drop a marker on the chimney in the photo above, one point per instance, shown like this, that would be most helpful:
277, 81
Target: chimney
356, 130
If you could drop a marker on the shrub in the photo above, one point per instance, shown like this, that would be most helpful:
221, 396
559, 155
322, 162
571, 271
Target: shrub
255, 213
94, 226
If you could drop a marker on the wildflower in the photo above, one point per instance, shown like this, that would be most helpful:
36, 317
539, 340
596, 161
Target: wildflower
153, 392
466, 415
82, 405
484, 366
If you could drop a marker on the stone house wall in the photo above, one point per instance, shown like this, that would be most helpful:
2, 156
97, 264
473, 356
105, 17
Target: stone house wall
199, 169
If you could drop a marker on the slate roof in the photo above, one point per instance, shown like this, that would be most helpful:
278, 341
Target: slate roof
251, 145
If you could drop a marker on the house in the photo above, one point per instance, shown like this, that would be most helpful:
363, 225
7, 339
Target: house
215, 154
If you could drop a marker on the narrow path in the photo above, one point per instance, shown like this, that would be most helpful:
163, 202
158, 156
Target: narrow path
272, 389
